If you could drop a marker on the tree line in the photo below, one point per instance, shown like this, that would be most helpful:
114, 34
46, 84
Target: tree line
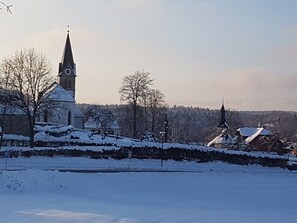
199, 125
185, 124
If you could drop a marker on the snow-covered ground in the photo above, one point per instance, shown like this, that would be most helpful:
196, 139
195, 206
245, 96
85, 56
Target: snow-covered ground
203, 192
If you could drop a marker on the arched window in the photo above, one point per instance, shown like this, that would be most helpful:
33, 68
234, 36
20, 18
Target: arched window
45, 116
69, 118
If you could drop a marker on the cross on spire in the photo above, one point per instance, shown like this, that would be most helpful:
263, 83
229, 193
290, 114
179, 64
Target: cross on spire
68, 26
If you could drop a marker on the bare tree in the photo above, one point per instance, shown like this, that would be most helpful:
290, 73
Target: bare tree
102, 117
6, 6
156, 106
25, 77
144, 102
133, 88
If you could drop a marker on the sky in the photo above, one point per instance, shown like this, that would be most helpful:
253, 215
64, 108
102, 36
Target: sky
197, 51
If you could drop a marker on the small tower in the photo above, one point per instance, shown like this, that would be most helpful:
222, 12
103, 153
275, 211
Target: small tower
223, 123
67, 69
224, 139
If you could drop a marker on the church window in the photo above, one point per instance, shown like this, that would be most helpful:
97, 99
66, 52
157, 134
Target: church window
69, 118
45, 116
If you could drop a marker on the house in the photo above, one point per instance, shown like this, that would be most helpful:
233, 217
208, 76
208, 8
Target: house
103, 123
13, 121
250, 133
254, 138
261, 139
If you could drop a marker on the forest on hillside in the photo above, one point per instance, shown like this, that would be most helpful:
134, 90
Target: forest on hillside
199, 125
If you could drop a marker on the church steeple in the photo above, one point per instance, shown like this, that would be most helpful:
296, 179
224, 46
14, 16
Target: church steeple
67, 57
67, 68
223, 123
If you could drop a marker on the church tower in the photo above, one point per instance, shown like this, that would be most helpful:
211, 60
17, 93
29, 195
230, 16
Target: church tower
67, 69
223, 123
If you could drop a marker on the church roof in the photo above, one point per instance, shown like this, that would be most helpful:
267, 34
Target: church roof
67, 57
75, 110
224, 138
60, 94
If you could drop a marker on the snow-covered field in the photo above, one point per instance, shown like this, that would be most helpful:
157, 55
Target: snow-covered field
178, 192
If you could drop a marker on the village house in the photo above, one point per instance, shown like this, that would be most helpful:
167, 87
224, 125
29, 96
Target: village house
13, 121
261, 139
104, 123
248, 134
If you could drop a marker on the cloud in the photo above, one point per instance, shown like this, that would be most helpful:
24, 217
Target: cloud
256, 89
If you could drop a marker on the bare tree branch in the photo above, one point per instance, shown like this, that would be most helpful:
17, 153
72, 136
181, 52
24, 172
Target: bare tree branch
25, 77
7, 7
133, 88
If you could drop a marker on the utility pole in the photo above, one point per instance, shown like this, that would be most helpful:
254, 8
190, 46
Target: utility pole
165, 128
162, 137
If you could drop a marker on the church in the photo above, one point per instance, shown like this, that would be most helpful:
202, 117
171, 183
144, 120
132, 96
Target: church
63, 93
224, 139
66, 112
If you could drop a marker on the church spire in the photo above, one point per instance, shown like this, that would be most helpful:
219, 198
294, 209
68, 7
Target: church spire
67, 68
223, 123
67, 57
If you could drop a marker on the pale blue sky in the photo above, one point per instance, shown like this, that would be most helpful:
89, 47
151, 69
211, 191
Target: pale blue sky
196, 51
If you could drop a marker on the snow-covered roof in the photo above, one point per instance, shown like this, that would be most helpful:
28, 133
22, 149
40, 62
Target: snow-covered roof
91, 123
60, 94
75, 110
250, 131
224, 138
256, 134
